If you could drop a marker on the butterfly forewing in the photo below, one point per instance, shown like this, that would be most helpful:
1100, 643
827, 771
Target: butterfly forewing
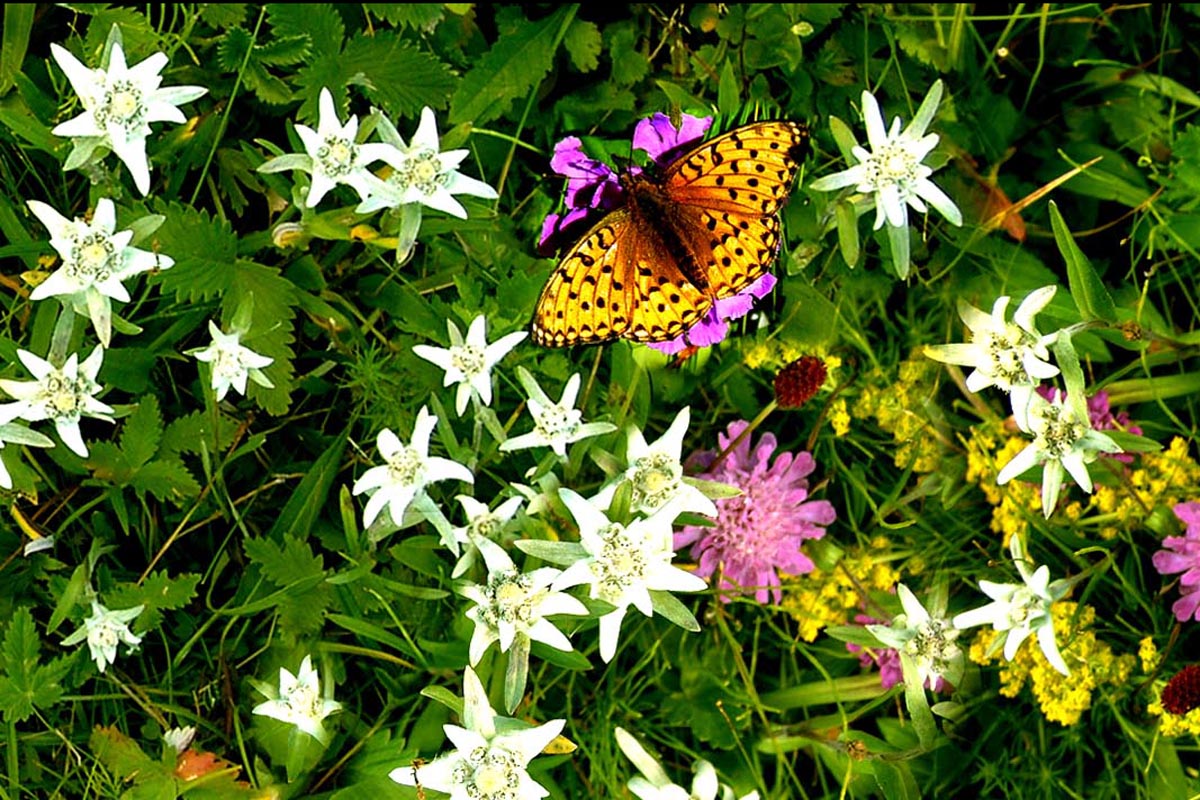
704, 231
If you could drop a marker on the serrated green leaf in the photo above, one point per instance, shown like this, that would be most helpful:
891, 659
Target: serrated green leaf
283, 51
286, 564
512, 68
167, 480
270, 333
121, 754
421, 16
18, 688
141, 432
205, 252
317, 22
1087, 289
160, 590
399, 77
629, 65
223, 15
232, 49
584, 43
311, 496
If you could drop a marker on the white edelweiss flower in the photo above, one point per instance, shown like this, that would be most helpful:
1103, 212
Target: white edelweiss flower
104, 630
1064, 441
555, 424
409, 469
119, 103
892, 168
423, 174
95, 261
927, 639
299, 701
656, 473
11, 433
232, 362
1011, 356
624, 564
483, 524
332, 156
1021, 609
513, 606
654, 784
485, 764
469, 363
62, 395
179, 739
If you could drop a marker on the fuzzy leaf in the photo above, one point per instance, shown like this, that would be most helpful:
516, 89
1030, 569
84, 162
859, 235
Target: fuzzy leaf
513, 68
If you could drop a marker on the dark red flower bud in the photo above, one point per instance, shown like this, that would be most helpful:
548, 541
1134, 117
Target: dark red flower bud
799, 381
1182, 693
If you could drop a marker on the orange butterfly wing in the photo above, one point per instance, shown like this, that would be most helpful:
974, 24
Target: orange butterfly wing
705, 231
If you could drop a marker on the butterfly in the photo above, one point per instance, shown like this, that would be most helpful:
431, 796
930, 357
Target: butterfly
702, 230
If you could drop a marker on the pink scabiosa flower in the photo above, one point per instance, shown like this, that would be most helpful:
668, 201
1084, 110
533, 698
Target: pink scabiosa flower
761, 530
1182, 554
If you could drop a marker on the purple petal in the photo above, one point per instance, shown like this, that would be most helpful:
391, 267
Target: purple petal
660, 139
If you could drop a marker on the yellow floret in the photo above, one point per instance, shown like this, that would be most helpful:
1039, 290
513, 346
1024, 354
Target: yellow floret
820, 599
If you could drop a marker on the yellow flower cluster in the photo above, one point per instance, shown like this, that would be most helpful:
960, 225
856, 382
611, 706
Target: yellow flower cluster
820, 599
1062, 698
988, 449
893, 404
1160, 479
1169, 724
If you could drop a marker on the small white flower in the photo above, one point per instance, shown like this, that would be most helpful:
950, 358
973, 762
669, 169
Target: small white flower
469, 363
11, 433
62, 395
927, 639
481, 524
119, 104
654, 784
409, 469
555, 424
232, 362
1021, 609
1064, 440
178, 739
892, 168
514, 605
95, 261
624, 564
485, 764
332, 156
423, 174
656, 472
104, 630
299, 701
1011, 356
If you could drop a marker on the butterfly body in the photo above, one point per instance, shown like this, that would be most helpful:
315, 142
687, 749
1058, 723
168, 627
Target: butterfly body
703, 230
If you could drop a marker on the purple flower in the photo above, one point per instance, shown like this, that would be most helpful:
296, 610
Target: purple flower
714, 327
761, 530
1182, 554
886, 658
1101, 417
662, 141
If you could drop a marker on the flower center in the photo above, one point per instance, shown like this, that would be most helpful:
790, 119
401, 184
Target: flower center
122, 105
304, 701
1008, 348
91, 259
1026, 607
468, 359
337, 156
63, 398
1059, 430
510, 599
656, 479
105, 636
407, 467
934, 642
487, 525
893, 164
422, 171
619, 564
555, 422
491, 773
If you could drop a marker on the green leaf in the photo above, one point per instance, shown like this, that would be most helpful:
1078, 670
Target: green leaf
669, 606
317, 22
159, 592
311, 496
271, 332
584, 43
847, 232
422, 16
728, 91
512, 69
166, 480
141, 432
401, 78
122, 755
204, 249
14, 40
223, 15
25, 685
629, 65
917, 703
189, 433
301, 573
1088, 291
895, 780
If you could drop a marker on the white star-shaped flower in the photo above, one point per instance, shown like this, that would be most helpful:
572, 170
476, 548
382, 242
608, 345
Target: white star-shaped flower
512, 606
95, 261
409, 469
423, 174
1011, 356
332, 156
119, 103
927, 639
299, 701
1064, 441
11, 433
62, 395
555, 425
623, 565
892, 168
232, 362
481, 523
1021, 609
486, 764
656, 473
469, 363
654, 784
104, 630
